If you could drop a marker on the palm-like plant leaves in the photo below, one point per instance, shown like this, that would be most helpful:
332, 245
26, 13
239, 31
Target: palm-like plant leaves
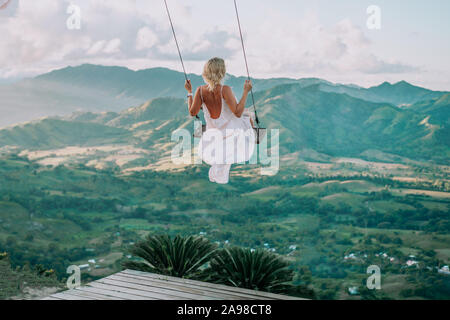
178, 257
257, 270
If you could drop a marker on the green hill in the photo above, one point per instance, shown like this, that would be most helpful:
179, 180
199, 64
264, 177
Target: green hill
438, 109
25, 283
340, 125
307, 117
404, 93
399, 94
154, 110
95, 88
56, 133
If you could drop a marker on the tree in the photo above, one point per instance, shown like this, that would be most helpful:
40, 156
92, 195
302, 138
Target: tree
179, 257
256, 270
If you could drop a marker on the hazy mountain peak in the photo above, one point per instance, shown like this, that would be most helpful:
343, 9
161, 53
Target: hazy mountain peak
384, 84
90, 87
444, 100
403, 82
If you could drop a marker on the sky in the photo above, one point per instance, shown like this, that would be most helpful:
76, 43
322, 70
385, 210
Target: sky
284, 38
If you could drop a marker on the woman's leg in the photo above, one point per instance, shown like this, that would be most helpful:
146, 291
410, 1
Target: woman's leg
220, 173
211, 174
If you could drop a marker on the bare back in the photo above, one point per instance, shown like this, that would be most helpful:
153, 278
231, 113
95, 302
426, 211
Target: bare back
212, 100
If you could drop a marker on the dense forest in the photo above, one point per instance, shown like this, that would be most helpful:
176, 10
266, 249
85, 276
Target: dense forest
330, 228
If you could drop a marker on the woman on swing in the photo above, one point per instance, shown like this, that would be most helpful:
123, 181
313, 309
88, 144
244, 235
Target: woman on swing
229, 137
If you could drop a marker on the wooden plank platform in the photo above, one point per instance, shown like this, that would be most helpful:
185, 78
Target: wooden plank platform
137, 285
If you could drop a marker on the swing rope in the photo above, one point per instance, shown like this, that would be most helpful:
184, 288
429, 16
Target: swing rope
243, 50
246, 63
176, 41
178, 47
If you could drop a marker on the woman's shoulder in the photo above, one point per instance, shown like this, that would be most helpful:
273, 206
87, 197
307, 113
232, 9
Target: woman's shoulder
227, 89
226, 92
201, 90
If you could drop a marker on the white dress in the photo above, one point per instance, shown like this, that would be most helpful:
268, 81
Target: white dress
227, 140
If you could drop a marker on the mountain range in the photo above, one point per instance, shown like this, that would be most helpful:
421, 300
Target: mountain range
97, 88
311, 114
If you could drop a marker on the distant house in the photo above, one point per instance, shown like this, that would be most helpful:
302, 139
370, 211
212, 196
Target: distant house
83, 266
351, 256
353, 291
410, 263
444, 270
293, 247
91, 261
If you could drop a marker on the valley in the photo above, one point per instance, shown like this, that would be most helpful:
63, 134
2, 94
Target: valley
363, 180
57, 216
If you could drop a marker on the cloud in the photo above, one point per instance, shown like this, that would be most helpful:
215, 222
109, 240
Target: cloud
113, 46
96, 48
146, 39
217, 42
375, 65
136, 34
308, 46
36, 38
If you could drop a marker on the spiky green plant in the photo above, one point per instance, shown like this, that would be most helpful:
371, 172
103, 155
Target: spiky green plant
179, 257
256, 270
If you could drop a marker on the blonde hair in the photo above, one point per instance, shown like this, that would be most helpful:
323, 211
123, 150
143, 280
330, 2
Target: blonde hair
214, 72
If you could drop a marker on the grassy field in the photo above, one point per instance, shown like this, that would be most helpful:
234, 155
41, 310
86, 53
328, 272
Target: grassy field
69, 215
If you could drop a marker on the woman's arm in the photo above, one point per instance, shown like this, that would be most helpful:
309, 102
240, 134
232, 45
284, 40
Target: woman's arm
230, 99
194, 103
